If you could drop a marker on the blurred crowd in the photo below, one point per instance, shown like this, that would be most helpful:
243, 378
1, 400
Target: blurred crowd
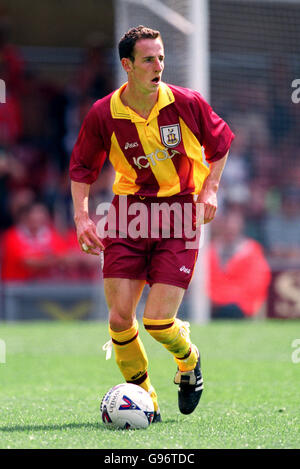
262, 177
38, 127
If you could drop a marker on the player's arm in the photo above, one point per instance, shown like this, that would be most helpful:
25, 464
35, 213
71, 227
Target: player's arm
87, 159
208, 193
216, 138
86, 228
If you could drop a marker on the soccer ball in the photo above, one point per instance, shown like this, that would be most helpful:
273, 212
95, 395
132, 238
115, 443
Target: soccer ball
127, 406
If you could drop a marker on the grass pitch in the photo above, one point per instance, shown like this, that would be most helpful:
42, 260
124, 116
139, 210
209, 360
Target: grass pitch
56, 374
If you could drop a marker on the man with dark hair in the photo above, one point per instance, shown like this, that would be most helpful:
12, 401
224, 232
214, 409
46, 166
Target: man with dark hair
153, 134
127, 42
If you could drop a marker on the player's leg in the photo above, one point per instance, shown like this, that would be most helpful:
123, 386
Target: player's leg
161, 322
169, 274
122, 296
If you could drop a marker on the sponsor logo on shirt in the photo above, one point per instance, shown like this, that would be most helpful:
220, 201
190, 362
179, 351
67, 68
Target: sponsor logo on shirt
153, 158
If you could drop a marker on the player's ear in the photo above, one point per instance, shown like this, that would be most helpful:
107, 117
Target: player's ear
126, 64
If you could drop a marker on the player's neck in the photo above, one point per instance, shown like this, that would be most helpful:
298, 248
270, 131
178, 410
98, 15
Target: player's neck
140, 102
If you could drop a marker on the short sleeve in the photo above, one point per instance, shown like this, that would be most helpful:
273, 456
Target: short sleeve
88, 154
216, 135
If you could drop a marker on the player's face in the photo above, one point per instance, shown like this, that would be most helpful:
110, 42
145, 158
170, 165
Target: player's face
146, 70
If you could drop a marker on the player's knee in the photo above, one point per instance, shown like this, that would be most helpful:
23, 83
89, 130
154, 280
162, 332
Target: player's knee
120, 321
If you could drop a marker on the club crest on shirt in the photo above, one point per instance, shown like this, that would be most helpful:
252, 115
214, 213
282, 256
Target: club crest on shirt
170, 135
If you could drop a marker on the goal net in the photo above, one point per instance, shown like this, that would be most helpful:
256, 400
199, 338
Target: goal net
255, 85
254, 60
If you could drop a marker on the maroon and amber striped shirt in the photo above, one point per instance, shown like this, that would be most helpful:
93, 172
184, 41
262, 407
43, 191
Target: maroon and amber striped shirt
159, 156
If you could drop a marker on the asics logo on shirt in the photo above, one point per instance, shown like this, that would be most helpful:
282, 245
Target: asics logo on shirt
131, 145
153, 158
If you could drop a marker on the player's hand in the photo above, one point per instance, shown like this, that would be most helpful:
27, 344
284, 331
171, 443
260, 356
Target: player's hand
208, 210
87, 237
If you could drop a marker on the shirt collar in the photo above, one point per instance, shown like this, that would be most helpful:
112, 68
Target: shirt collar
121, 111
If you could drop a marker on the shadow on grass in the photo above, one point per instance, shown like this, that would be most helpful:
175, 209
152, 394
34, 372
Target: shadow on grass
64, 426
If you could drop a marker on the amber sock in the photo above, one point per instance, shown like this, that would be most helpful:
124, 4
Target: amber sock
174, 335
132, 359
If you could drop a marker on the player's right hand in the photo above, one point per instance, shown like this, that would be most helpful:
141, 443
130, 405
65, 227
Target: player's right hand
87, 237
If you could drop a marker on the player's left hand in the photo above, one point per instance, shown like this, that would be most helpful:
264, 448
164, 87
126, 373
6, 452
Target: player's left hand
208, 211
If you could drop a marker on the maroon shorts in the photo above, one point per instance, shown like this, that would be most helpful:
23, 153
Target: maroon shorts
151, 242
